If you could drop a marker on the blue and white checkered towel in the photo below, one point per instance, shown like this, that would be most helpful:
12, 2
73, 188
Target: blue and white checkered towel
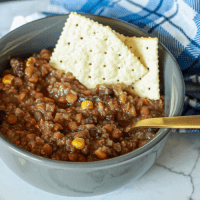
176, 23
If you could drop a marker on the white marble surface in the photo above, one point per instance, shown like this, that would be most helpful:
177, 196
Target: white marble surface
175, 175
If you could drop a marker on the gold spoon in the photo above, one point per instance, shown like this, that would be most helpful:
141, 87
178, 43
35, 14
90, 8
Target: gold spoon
189, 122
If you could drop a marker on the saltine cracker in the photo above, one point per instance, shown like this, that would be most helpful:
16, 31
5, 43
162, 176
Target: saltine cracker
94, 54
146, 49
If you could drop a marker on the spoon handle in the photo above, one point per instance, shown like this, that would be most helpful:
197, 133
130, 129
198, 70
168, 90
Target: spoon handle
170, 122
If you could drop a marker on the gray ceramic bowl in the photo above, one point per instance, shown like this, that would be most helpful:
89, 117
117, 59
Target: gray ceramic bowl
94, 178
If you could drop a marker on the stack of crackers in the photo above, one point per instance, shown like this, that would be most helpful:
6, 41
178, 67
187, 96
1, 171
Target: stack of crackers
96, 54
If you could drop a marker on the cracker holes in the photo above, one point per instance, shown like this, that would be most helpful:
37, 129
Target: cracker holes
132, 70
76, 24
139, 58
106, 39
119, 54
81, 38
147, 47
118, 67
139, 78
133, 88
131, 47
104, 65
148, 68
105, 52
118, 80
90, 50
60, 61
104, 79
94, 33
68, 43
149, 88
89, 77
90, 63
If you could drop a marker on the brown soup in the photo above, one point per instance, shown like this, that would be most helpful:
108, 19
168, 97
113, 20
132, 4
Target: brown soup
53, 115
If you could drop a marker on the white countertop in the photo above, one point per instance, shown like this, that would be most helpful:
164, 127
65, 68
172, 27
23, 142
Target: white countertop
175, 175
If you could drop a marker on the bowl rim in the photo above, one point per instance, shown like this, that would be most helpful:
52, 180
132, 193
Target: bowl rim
162, 133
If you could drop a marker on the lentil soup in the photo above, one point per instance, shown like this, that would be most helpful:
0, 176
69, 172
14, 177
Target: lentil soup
51, 114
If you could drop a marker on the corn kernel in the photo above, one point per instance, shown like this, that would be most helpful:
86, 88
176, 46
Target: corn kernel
100, 154
7, 79
30, 61
78, 143
86, 105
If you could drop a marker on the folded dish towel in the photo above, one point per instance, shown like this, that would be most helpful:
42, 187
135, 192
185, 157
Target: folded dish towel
174, 22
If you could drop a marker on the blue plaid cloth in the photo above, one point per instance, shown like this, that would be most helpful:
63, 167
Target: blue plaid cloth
176, 23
